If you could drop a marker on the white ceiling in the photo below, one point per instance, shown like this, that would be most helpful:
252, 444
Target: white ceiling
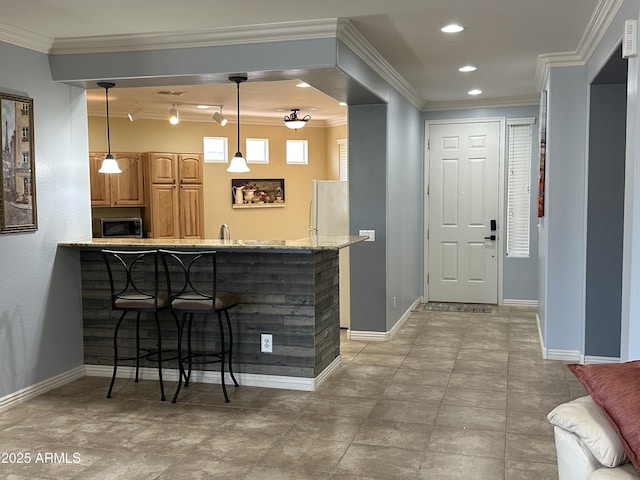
503, 38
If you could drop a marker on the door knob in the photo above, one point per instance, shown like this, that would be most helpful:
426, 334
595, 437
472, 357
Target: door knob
490, 237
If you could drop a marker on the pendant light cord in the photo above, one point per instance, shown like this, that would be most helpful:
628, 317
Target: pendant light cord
106, 93
238, 103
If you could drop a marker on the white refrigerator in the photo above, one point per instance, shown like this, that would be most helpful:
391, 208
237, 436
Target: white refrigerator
329, 215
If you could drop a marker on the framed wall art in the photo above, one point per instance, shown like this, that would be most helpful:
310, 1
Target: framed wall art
18, 176
262, 192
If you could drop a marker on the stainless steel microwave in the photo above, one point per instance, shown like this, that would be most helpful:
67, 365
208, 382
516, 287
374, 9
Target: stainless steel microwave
117, 227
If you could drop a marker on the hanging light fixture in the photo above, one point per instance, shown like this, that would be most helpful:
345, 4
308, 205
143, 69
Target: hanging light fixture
238, 163
294, 122
218, 117
109, 164
174, 119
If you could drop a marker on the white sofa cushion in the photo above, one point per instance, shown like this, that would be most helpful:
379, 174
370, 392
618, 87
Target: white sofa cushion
586, 420
623, 472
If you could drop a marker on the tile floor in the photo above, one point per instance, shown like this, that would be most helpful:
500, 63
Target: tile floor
452, 396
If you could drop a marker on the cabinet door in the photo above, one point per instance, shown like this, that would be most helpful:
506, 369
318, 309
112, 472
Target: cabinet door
127, 188
191, 211
163, 168
100, 183
164, 211
190, 168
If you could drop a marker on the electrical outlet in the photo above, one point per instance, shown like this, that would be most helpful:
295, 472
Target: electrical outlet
368, 233
395, 302
266, 343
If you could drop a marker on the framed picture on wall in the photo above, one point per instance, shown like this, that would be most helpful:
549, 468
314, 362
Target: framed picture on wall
18, 176
543, 149
261, 192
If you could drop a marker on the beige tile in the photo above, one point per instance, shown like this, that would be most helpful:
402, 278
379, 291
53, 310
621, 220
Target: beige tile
400, 411
383, 433
472, 417
462, 441
530, 448
379, 462
444, 466
473, 398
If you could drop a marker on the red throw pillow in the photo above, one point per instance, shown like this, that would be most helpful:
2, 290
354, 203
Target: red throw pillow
615, 387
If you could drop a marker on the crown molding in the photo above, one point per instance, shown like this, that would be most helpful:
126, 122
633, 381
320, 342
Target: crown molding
353, 39
600, 20
236, 35
26, 39
482, 103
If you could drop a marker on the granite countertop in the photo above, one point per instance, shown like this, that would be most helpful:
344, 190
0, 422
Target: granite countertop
307, 243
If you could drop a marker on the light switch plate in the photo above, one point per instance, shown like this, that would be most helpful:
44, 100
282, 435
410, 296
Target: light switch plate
368, 233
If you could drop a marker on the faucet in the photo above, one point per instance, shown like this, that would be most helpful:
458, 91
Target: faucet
224, 233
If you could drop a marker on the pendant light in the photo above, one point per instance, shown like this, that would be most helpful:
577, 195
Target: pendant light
294, 122
238, 163
109, 164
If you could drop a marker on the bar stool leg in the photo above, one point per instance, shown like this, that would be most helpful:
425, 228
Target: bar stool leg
162, 397
189, 351
180, 327
222, 355
226, 314
115, 353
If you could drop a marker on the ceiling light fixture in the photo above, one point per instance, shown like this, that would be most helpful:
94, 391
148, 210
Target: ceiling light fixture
136, 114
109, 164
303, 85
293, 121
218, 117
238, 163
475, 91
452, 28
174, 118
467, 68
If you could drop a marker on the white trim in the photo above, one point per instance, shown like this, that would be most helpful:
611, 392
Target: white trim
573, 356
521, 121
209, 376
24, 38
597, 359
39, 388
599, 22
368, 336
481, 103
512, 302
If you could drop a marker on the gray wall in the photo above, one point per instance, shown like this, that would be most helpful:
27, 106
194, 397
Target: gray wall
605, 217
40, 307
520, 275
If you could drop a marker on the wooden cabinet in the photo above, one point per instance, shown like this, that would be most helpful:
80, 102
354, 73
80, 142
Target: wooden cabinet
124, 189
175, 199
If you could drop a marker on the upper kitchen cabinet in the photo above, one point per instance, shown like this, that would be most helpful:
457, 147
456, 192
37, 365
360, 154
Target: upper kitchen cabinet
175, 168
124, 189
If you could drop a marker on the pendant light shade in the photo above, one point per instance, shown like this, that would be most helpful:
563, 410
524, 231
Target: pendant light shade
238, 163
295, 122
109, 164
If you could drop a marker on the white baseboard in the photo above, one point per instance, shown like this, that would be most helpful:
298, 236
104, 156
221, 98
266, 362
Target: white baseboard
519, 303
573, 356
596, 359
39, 388
207, 376
370, 336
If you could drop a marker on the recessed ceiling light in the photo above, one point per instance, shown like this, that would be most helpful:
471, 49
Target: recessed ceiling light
343, 104
475, 91
303, 85
452, 28
467, 68
203, 107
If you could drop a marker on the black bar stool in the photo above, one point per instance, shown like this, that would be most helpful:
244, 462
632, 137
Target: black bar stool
133, 278
191, 279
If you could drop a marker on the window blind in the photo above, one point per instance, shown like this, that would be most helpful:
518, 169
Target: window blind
343, 154
519, 187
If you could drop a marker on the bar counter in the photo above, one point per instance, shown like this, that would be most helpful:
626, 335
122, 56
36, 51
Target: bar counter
288, 288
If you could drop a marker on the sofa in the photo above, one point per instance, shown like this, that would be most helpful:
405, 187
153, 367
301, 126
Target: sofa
597, 436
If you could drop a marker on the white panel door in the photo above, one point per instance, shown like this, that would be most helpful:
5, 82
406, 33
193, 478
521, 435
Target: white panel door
463, 199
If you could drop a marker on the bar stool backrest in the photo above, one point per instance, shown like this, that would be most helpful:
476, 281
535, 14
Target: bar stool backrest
133, 279
191, 280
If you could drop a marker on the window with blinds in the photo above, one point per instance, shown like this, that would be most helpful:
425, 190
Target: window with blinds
343, 154
519, 187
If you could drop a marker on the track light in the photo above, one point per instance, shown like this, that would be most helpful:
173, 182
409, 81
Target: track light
174, 119
294, 122
135, 115
218, 117
109, 164
238, 163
